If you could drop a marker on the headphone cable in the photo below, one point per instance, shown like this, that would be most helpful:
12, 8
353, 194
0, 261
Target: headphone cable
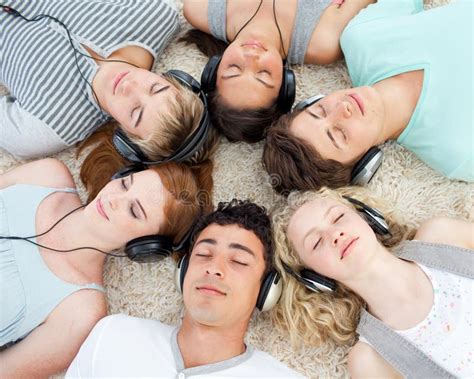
28, 239
38, 17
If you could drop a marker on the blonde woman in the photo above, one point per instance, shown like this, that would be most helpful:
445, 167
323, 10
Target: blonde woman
413, 315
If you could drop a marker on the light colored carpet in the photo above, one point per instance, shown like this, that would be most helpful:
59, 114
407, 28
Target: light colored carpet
147, 290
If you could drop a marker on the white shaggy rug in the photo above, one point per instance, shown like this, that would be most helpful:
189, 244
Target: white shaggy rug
147, 290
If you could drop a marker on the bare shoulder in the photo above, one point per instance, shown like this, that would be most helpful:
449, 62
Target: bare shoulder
447, 230
80, 311
48, 172
195, 11
364, 361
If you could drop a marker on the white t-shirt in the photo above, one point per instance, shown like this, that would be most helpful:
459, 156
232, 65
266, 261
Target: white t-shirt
124, 346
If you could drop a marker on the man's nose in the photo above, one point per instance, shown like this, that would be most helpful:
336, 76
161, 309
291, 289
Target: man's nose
342, 109
215, 268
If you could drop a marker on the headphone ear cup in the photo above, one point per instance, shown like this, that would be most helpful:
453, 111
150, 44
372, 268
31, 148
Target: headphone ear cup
316, 282
367, 166
126, 148
180, 272
270, 291
209, 74
149, 248
286, 96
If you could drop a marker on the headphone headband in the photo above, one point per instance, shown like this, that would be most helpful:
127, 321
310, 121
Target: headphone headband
286, 95
131, 152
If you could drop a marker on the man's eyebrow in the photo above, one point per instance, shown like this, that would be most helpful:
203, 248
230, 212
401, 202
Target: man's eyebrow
210, 241
332, 139
238, 246
313, 114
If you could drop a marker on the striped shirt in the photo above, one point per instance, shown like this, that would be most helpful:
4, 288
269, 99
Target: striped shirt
38, 65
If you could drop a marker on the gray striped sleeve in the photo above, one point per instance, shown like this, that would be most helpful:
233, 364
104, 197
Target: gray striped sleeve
24, 135
216, 18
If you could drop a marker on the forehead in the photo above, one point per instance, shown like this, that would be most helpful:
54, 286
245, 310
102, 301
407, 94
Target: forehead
226, 235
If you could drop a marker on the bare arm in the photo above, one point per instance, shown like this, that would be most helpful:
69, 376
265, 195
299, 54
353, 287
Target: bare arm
365, 362
324, 45
51, 347
45, 172
195, 11
448, 231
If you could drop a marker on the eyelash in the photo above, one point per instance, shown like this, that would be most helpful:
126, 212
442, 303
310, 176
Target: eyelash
125, 188
265, 72
131, 114
234, 261
240, 263
339, 217
336, 220
234, 65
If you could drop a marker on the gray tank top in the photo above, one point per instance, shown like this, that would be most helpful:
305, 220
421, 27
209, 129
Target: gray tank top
308, 13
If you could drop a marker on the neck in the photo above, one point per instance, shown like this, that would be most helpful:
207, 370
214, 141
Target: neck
397, 292
73, 232
400, 95
220, 343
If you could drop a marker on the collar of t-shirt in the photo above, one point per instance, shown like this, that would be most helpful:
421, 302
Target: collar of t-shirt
205, 369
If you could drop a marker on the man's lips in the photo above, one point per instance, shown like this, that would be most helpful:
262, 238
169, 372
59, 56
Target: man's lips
359, 102
349, 247
117, 80
100, 208
210, 290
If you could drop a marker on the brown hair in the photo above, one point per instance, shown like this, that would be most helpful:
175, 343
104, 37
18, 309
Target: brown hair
188, 196
206, 43
294, 164
247, 125
103, 162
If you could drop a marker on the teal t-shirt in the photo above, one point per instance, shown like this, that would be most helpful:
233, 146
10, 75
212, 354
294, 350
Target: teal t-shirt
391, 37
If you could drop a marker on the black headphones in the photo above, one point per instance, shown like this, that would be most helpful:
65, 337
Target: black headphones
286, 96
188, 148
318, 283
268, 296
147, 248
367, 166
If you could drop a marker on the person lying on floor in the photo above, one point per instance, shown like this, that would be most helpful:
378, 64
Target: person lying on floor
227, 273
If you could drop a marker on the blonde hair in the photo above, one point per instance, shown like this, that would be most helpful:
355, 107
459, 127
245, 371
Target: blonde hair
314, 318
174, 127
171, 130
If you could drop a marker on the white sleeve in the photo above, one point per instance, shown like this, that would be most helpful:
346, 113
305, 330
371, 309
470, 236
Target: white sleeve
83, 364
24, 135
